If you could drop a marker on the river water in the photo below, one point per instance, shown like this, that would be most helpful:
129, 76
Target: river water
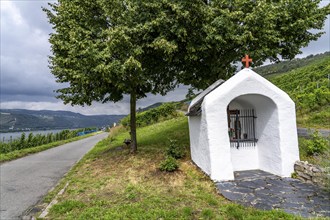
6, 137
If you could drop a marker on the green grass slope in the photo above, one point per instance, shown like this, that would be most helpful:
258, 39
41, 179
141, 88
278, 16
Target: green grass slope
309, 87
111, 183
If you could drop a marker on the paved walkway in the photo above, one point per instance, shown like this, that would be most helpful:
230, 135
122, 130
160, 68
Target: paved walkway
306, 132
266, 191
24, 182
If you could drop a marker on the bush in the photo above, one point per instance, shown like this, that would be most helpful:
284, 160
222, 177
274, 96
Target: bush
174, 150
170, 164
317, 145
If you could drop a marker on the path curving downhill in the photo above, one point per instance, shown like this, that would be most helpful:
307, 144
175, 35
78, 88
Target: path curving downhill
24, 182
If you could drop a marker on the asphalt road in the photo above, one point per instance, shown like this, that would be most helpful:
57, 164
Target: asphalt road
24, 182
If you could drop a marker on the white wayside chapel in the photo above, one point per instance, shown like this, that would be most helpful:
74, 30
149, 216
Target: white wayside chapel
244, 123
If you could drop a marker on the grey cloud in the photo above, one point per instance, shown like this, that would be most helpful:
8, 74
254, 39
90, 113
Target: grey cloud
21, 77
24, 49
33, 14
27, 98
322, 44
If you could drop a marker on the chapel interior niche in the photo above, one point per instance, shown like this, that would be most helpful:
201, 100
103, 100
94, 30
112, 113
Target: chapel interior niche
241, 118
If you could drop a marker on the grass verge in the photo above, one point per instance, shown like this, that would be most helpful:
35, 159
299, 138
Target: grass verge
24, 152
320, 159
317, 119
111, 183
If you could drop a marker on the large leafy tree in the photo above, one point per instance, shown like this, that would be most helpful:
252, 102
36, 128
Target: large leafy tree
264, 29
105, 49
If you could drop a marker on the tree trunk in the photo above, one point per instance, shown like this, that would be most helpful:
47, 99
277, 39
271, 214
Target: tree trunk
133, 122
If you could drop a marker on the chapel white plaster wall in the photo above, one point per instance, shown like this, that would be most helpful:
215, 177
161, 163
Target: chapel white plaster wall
215, 125
199, 148
267, 131
289, 138
244, 158
215, 104
218, 141
239, 103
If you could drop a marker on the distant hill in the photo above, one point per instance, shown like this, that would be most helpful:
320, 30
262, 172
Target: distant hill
21, 119
286, 66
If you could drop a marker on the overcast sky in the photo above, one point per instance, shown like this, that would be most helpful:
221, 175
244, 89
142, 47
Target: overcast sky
25, 79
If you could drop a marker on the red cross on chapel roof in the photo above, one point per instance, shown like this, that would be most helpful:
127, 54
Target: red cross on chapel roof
247, 61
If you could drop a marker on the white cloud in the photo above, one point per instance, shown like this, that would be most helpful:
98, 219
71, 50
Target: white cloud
11, 12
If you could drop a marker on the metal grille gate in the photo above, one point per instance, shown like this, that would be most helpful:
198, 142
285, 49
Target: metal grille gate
241, 127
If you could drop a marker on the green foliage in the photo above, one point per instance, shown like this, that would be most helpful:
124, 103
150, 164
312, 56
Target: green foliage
68, 206
315, 150
317, 145
303, 146
294, 175
170, 164
163, 112
208, 214
175, 150
131, 192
